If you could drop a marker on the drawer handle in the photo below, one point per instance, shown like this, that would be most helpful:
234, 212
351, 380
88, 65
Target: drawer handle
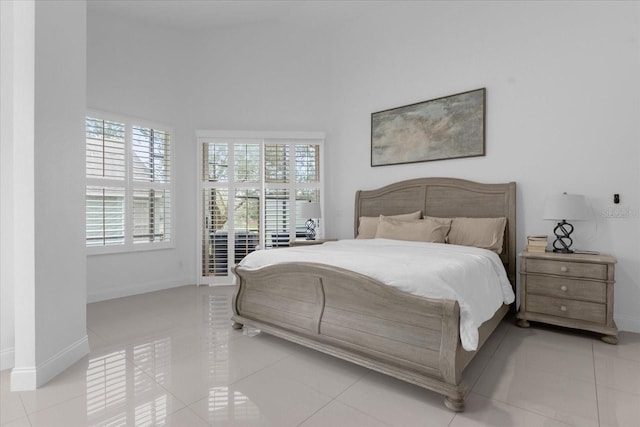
564, 269
563, 308
563, 288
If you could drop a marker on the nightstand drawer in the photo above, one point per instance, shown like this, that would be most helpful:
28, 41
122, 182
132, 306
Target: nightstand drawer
567, 268
567, 288
559, 307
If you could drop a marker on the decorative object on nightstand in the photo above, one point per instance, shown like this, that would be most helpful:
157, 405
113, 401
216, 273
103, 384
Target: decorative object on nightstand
571, 290
563, 207
537, 243
310, 210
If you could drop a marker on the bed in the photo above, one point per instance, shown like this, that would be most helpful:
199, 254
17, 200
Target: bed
360, 319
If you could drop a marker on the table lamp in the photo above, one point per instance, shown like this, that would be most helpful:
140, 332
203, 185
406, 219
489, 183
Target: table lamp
310, 210
563, 207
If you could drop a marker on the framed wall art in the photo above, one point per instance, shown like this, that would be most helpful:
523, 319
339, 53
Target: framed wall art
444, 128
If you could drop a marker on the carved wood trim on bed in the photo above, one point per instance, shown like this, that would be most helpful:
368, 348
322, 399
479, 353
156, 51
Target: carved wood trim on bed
359, 319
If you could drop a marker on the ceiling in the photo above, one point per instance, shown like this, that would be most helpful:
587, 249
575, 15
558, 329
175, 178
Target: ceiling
197, 15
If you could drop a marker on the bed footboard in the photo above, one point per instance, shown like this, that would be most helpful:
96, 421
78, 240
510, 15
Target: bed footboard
358, 319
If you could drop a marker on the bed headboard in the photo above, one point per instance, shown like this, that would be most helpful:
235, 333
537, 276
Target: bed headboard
448, 198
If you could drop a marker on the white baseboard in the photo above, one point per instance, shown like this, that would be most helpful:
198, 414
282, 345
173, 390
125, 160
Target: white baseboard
126, 291
24, 379
30, 378
7, 358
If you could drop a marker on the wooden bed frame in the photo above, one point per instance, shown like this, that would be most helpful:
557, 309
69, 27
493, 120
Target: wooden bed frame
359, 319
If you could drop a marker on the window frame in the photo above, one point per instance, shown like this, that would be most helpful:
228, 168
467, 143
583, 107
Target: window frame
262, 138
129, 186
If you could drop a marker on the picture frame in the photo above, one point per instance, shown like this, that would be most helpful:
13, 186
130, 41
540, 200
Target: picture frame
449, 127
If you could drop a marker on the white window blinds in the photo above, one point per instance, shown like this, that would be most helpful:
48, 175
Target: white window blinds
105, 149
129, 189
151, 155
251, 192
105, 216
151, 215
151, 149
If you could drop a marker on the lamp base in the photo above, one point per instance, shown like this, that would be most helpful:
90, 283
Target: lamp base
563, 251
563, 240
310, 233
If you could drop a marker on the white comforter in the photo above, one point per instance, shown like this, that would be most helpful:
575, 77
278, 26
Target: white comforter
474, 277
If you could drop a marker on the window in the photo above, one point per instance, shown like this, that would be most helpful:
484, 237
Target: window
251, 190
129, 192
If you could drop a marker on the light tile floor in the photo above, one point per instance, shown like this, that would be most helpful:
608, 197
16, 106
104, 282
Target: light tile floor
171, 358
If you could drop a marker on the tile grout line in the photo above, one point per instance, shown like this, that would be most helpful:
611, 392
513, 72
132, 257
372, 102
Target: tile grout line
524, 408
24, 408
346, 404
595, 382
471, 386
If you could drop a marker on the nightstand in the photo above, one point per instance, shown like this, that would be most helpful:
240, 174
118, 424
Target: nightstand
570, 290
304, 242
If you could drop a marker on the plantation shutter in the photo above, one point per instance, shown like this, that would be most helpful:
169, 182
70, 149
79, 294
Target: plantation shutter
277, 213
105, 149
307, 181
151, 155
128, 192
105, 169
151, 162
251, 189
105, 216
215, 234
215, 202
246, 209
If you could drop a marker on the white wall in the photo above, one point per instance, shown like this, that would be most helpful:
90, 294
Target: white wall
562, 109
245, 78
141, 72
8, 61
46, 204
562, 105
18, 231
60, 99
265, 77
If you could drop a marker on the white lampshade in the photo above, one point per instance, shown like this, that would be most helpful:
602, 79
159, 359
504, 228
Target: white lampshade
310, 210
566, 206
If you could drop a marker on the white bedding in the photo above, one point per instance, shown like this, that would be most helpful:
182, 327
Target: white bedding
474, 277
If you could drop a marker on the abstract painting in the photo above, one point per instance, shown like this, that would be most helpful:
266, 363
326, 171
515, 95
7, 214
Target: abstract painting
444, 128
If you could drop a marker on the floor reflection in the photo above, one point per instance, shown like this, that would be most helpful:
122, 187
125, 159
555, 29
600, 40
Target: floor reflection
225, 404
120, 393
106, 384
113, 384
